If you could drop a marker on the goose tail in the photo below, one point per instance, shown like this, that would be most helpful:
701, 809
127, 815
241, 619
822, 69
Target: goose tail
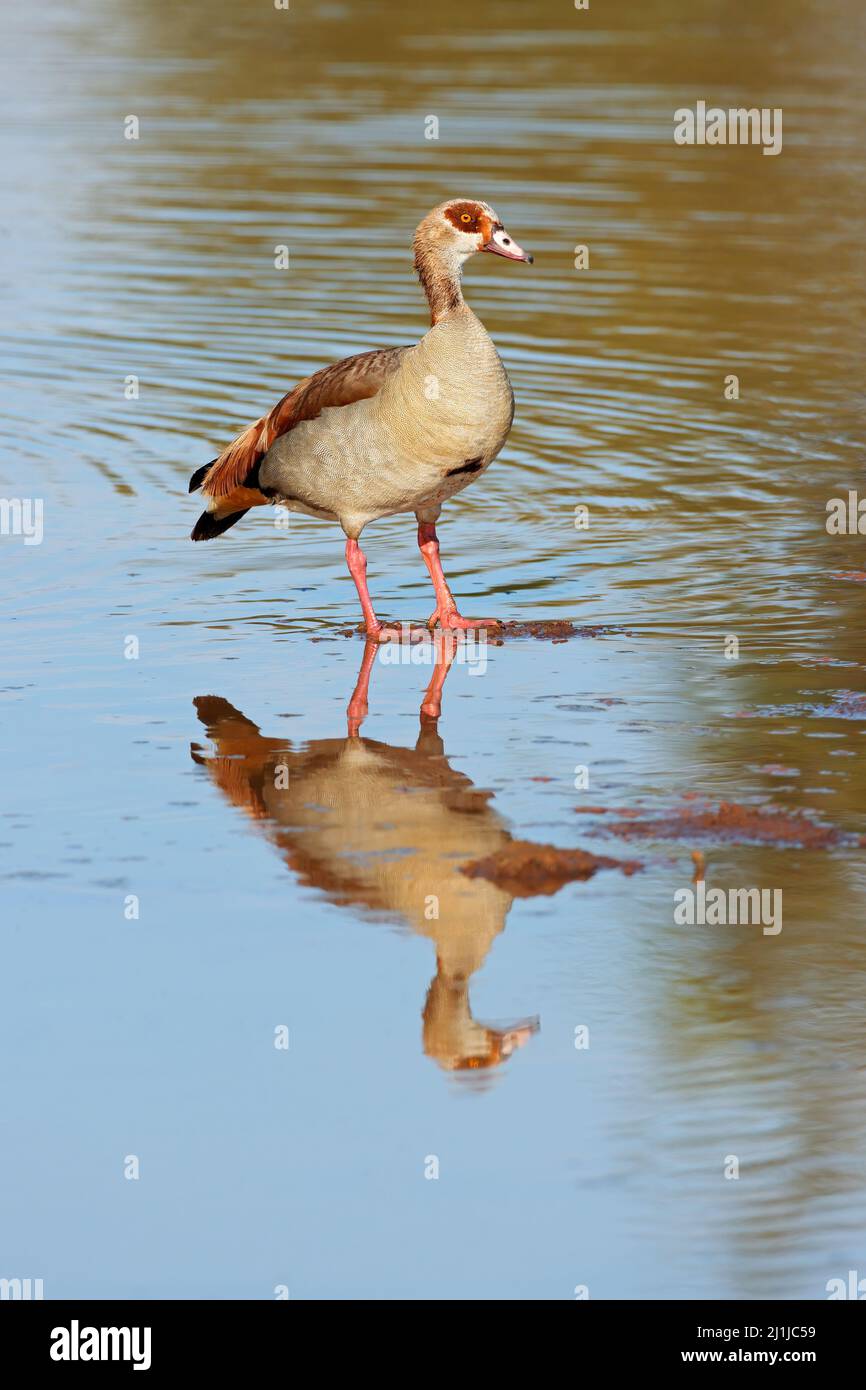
199, 475
209, 525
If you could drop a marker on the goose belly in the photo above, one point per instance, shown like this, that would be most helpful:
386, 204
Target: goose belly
386, 455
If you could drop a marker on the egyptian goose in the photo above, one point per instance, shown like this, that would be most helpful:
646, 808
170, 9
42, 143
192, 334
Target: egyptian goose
395, 430
338, 813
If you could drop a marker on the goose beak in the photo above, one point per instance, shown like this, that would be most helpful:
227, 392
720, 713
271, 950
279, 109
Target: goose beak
519, 1036
500, 244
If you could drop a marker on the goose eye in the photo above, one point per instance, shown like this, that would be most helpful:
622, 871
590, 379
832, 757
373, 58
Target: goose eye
465, 217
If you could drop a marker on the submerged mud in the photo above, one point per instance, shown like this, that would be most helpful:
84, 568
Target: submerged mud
542, 630
728, 822
524, 868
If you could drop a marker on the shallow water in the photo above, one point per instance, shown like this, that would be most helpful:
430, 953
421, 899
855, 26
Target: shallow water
412, 1038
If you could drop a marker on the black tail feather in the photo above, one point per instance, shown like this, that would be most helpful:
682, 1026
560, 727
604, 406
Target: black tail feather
198, 476
209, 525
213, 710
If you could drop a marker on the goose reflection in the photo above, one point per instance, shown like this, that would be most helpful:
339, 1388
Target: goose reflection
388, 829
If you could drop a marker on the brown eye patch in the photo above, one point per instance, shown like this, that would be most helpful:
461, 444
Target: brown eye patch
467, 217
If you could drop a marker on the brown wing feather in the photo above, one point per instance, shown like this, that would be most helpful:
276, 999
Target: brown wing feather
354, 379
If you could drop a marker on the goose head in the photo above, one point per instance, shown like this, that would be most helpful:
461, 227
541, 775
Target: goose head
455, 230
456, 1040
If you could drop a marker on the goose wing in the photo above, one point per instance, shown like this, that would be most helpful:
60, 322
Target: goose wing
353, 379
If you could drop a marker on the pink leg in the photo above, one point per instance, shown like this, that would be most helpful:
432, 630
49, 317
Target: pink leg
357, 562
357, 709
446, 608
431, 705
